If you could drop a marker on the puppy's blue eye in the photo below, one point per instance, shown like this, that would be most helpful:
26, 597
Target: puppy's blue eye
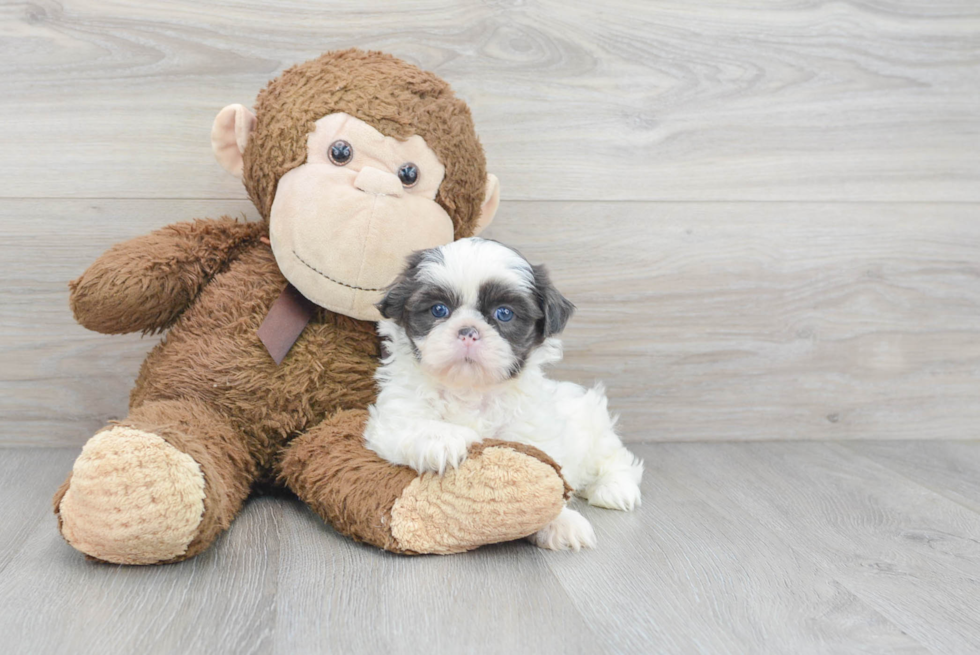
503, 314
440, 311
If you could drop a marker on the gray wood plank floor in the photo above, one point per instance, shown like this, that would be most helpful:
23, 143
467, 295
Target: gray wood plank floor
753, 547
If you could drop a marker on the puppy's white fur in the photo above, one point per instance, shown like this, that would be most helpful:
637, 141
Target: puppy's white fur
434, 403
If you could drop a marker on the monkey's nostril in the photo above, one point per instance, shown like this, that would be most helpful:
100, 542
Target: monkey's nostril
469, 334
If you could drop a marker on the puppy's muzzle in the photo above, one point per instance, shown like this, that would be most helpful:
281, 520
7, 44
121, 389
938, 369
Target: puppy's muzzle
468, 335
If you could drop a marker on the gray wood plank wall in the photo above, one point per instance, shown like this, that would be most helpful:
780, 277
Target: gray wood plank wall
767, 214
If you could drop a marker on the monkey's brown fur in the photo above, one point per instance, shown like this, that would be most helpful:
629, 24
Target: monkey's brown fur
420, 103
211, 390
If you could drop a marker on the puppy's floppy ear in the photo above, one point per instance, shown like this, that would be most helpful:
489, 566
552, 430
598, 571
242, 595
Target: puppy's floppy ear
556, 307
398, 292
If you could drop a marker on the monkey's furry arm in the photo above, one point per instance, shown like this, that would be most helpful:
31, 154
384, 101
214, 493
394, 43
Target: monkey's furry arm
145, 283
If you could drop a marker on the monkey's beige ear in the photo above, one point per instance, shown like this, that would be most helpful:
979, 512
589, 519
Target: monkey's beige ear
229, 134
490, 203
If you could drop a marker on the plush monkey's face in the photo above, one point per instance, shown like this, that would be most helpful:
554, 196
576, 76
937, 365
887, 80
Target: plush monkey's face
343, 222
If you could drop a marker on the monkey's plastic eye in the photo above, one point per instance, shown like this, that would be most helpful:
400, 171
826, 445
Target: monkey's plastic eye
340, 152
408, 174
440, 311
504, 314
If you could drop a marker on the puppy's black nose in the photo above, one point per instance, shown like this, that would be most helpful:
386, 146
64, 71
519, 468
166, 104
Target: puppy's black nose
469, 334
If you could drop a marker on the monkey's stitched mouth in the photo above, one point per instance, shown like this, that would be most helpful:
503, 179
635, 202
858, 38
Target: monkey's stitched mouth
321, 273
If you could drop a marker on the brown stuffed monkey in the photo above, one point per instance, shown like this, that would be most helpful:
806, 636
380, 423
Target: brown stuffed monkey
354, 160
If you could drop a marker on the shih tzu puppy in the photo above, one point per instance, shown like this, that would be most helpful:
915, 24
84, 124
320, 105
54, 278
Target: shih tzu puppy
468, 330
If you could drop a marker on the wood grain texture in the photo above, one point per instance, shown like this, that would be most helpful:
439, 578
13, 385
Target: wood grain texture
766, 213
950, 469
677, 100
737, 548
743, 321
346, 597
734, 584
903, 549
707, 321
53, 601
58, 381
27, 482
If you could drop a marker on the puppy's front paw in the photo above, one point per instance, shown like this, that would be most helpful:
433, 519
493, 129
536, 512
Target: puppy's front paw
570, 530
618, 492
618, 488
440, 450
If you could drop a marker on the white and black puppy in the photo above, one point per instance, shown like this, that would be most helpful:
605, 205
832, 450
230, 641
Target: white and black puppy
469, 327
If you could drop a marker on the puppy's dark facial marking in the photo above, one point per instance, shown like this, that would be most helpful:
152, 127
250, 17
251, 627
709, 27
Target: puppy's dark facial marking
521, 331
418, 319
480, 285
556, 308
396, 297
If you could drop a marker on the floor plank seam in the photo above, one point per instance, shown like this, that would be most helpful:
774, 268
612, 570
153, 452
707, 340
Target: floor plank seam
816, 560
964, 503
545, 558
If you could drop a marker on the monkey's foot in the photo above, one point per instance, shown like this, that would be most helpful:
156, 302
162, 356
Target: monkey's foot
501, 492
132, 498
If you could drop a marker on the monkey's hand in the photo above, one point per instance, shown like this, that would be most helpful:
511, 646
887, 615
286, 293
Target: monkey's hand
145, 283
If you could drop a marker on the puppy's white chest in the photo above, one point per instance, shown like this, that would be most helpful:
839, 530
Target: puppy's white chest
485, 414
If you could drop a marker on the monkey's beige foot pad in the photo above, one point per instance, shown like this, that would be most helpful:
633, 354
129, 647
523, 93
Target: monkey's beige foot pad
132, 499
500, 495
